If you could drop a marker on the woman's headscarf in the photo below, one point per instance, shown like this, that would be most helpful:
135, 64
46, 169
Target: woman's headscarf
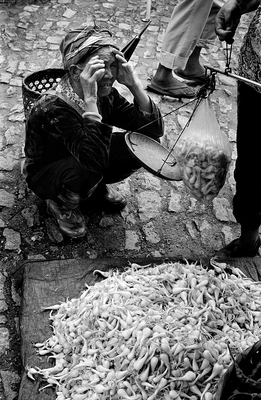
82, 42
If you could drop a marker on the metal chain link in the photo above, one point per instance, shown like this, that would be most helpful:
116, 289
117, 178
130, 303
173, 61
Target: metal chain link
228, 50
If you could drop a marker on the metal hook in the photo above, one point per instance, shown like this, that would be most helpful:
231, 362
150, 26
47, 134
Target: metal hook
228, 50
209, 86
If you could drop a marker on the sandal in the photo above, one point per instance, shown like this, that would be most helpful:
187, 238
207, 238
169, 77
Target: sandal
176, 92
198, 79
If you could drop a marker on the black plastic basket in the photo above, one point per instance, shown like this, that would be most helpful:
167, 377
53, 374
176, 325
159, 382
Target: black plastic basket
37, 83
228, 385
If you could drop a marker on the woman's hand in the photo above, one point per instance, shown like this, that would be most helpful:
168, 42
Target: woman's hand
90, 75
127, 77
125, 74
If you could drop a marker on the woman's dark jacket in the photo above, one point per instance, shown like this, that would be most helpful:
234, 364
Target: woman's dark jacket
55, 130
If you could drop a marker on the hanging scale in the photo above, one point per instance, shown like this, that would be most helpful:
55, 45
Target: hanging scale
228, 71
159, 160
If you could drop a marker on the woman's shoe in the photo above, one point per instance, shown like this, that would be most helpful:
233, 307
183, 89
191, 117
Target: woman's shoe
235, 249
105, 198
112, 200
70, 221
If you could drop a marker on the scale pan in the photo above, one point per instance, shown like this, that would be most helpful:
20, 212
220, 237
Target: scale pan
153, 156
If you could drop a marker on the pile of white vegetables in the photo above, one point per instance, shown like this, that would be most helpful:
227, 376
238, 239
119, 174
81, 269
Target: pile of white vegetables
153, 332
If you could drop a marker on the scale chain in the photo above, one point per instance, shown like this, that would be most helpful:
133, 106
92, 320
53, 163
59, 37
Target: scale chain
228, 50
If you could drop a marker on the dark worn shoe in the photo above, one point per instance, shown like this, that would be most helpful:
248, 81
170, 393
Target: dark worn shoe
112, 201
70, 221
235, 249
106, 199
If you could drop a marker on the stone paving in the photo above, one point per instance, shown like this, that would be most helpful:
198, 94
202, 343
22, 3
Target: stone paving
161, 219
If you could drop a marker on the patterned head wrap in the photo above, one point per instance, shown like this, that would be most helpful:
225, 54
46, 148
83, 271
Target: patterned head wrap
83, 42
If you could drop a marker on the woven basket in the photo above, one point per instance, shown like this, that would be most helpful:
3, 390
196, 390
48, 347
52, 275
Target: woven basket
37, 83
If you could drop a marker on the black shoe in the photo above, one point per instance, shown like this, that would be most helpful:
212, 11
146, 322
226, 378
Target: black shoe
235, 249
70, 222
112, 201
105, 199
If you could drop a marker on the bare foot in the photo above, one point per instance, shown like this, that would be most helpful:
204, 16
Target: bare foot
194, 70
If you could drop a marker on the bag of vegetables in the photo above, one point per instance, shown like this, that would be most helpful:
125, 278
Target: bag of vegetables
203, 153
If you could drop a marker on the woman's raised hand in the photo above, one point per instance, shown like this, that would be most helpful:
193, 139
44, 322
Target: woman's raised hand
125, 74
90, 75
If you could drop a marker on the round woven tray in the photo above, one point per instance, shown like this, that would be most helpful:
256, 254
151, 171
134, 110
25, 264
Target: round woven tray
37, 83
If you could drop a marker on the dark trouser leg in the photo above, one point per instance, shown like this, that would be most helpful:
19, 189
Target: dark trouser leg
121, 162
66, 174
63, 184
247, 200
61, 180
121, 165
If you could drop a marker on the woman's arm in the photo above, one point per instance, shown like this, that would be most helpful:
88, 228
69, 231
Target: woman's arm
127, 77
140, 96
118, 112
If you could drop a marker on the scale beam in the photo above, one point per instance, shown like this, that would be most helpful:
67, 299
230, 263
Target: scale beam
231, 75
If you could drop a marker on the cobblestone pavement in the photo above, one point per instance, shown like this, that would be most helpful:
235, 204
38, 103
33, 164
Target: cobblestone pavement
161, 219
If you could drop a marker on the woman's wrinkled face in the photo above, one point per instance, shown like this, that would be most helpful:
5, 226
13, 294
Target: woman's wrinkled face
111, 70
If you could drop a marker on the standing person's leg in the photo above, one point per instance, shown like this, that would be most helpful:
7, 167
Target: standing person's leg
193, 68
180, 40
247, 199
184, 30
